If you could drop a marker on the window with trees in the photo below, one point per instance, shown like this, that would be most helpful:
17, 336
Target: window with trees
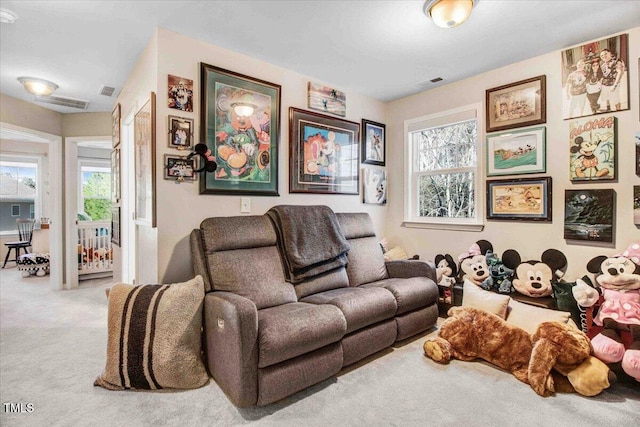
442, 168
19, 197
95, 200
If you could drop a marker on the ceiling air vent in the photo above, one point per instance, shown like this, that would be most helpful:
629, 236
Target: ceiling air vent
63, 102
107, 90
436, 80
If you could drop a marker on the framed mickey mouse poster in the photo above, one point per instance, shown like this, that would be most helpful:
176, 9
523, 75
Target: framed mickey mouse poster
593, 153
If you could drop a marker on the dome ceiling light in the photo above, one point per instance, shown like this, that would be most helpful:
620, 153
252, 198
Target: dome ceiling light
449, 13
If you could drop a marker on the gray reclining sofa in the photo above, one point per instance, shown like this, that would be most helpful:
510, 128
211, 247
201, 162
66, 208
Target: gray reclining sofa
267, 338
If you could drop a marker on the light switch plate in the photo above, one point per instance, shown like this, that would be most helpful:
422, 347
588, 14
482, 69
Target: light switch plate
245, 204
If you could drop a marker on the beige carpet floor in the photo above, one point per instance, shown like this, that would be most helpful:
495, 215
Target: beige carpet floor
53, 345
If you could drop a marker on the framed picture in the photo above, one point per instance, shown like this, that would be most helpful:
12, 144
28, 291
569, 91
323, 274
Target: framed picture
115, 126
115, 225
595, 78
144, 129
589, 215
638, 153
180, 93
179, 168
524, 199
517, 152
327, 100
374, 186
373, 142
180, 133
592, 153
115, 175
517, 104
323, 153
240, 124
636, 204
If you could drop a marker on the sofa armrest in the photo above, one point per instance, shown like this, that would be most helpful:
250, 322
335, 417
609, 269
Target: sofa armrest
231, 334
411, 268
198, 259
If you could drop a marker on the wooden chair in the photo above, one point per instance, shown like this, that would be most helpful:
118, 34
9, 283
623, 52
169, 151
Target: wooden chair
25, 234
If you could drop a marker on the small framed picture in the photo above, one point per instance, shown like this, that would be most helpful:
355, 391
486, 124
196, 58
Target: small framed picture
327, 100
180, 132
373, 143
179, 168
524, 199
636, 204
516, 105
115, 175
517, 152
375, 186
115, 126
589, 215
180, 93
115, 225
638, 153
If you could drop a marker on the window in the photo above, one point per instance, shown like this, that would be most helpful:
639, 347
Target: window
19, 190
443, 170
95, 190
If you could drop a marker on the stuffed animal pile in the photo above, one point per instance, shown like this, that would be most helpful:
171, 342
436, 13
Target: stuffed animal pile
555, 359
619, 280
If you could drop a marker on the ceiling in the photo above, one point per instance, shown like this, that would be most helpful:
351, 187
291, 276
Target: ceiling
383, 49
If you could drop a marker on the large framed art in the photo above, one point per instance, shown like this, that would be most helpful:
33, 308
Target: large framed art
324, 153
518, 104
524, 199
240, 124
589, 215
144, 127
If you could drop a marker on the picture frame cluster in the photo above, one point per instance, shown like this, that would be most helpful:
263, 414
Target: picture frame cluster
181, 130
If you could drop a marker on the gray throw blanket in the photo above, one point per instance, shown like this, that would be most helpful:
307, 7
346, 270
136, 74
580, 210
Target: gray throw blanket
310, 240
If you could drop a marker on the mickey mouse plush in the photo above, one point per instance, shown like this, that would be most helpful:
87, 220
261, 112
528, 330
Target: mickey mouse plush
535, 278
446, 270
473, 264
619, 280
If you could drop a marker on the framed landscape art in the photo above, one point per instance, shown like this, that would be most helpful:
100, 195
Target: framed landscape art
374, 144
595, 77
517, 152
240, 124
589, 215
324, 153
524, 199
326, 99
593, 149
518, 104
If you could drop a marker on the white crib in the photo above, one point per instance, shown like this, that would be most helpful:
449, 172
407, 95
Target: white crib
95, 254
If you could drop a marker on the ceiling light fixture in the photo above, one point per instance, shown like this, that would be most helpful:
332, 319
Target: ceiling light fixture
38, 87
449, 13
7, 16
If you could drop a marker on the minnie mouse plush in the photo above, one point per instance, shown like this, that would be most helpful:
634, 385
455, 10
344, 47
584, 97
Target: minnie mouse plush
473, 264
619, 280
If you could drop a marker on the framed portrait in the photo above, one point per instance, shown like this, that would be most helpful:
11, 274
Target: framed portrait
324, 153
180, 93
180, 133
373, 142
115, 225
517, 152
636, 204
595, 78
326, 99
593, 149
518, 104
589, 215
179, 168
374, 186
144, 129
115, 175
638, 153
115, 126
240, 124
524, 199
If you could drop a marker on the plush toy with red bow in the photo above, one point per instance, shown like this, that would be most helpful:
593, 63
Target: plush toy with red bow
619, 280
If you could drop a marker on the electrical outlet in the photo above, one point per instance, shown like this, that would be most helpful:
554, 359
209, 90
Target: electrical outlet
245, 205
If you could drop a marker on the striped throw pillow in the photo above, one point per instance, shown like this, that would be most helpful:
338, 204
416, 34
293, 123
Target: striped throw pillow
154, 339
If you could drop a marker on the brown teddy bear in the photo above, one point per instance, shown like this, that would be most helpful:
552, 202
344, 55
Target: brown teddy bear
470, 333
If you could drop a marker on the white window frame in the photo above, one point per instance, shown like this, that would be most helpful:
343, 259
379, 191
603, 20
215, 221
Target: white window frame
24, 158
90, 163
12, 210
411, 202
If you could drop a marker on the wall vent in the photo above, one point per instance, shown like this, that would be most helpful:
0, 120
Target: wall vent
107, 90
436, 80
63, 102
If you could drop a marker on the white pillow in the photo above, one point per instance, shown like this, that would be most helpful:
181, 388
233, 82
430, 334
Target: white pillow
528, 317
476, 297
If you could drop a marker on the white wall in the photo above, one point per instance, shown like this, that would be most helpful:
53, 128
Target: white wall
530, 239
180, 207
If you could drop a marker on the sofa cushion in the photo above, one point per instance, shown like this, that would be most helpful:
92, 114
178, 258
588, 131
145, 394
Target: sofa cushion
410, 293
290, 330
324, 282
361, 307
529, 317
476, 297
154, 337
237, 232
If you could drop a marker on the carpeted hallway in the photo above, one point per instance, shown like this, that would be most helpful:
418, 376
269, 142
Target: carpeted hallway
53, 344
